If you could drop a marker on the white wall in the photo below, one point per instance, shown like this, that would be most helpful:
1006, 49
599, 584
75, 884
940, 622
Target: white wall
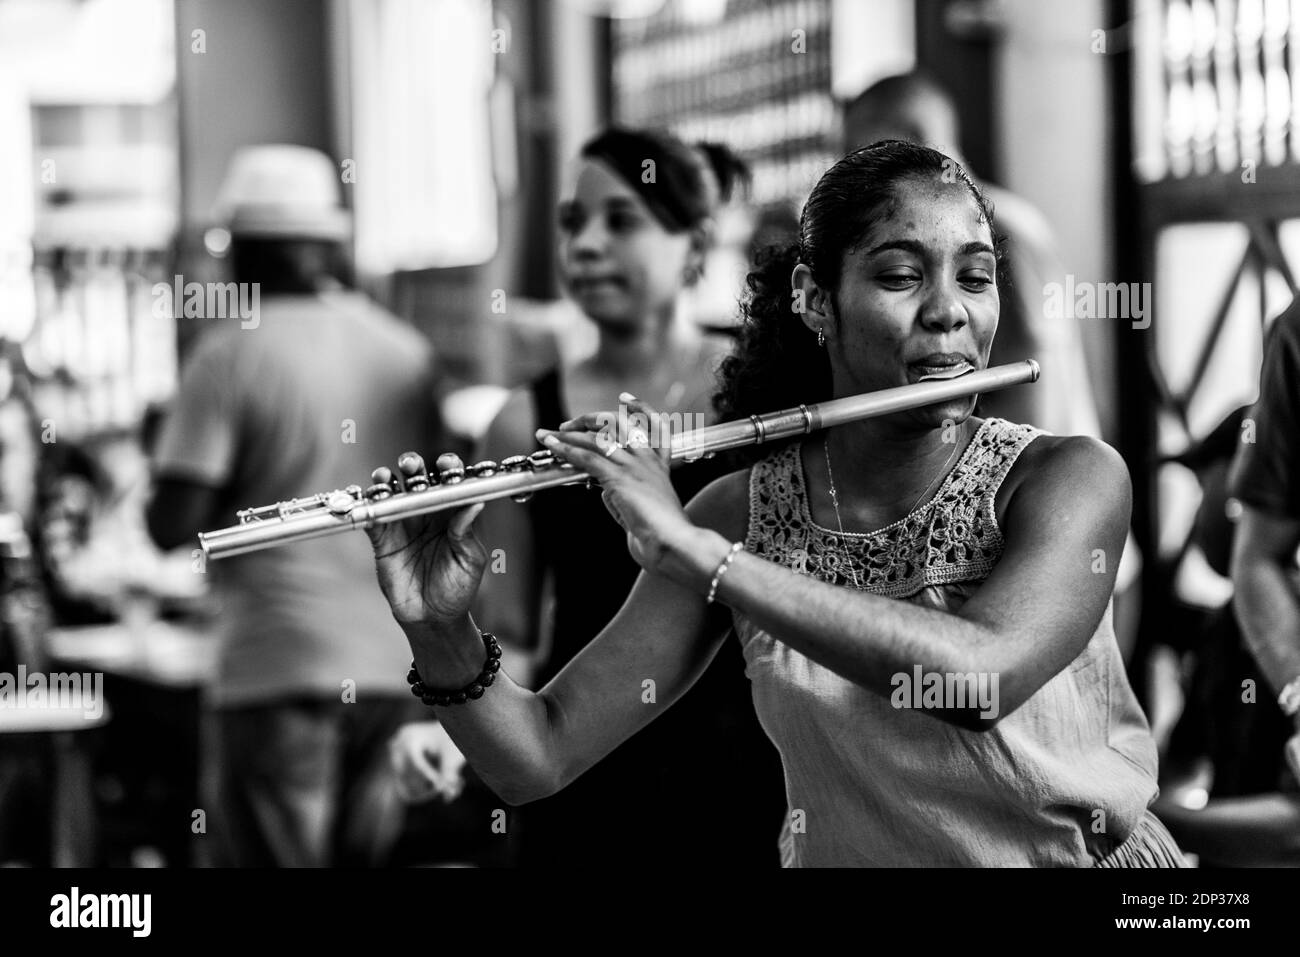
260, 79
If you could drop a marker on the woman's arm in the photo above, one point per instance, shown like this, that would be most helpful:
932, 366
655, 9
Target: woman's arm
1064, 530
528, 745
1265, 599
1064, 525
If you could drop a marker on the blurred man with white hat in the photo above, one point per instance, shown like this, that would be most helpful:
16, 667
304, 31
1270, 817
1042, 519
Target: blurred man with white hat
320, 390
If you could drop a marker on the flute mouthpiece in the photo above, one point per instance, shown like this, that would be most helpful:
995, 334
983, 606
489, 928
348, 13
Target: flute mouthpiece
956, 372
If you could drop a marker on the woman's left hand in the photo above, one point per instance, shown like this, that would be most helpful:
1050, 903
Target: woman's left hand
633, 473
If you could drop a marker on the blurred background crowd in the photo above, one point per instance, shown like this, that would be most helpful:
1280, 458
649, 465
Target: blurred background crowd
389, 175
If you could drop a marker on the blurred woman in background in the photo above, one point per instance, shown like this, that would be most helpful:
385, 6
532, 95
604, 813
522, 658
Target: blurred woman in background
702, 785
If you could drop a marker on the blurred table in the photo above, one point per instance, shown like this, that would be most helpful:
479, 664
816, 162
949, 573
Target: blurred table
155, 675
158, 652
72, 817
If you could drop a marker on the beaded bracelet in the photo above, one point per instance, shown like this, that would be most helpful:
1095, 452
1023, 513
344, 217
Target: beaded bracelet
471, 691
722, 570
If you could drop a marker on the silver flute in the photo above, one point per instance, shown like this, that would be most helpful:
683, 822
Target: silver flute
420, 492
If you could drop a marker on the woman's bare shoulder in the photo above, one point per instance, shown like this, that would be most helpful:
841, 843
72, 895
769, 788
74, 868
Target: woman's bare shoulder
1078, 456
1068, 469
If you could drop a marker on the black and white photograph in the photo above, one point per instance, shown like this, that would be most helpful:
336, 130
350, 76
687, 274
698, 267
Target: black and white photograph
648, 443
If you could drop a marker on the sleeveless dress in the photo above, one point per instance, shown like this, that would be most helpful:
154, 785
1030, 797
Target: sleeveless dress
1065, 780
701, 784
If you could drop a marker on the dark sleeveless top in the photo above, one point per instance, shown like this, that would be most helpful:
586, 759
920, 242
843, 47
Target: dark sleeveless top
701, 783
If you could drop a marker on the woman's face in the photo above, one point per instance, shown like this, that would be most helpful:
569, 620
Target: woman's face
918, 296
617, 261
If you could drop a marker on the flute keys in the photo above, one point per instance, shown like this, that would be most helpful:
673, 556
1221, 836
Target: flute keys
484, 469
414, 476
450, 469
518, 463
543, 458
341, 502
382, 484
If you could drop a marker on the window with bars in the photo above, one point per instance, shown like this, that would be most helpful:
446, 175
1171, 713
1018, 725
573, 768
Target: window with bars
1218, 86
1216, 111
756, 76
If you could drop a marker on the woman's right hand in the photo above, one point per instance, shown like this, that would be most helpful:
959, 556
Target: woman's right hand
430, 566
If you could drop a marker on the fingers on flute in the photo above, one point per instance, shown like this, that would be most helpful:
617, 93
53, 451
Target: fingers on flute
635, 404
588, 422
563, 443
585, 450
448, 460
660, 426
414, 473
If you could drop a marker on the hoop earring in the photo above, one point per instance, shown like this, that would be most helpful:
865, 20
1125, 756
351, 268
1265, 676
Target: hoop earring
821, 336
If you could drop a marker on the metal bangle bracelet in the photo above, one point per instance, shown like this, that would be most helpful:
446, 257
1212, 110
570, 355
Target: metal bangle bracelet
722, 570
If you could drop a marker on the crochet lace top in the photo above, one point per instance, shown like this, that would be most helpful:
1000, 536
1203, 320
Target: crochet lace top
1062, 780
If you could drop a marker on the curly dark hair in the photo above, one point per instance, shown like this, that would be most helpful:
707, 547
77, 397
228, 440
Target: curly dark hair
777, 363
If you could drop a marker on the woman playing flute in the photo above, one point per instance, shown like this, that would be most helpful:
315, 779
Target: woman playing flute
923, 599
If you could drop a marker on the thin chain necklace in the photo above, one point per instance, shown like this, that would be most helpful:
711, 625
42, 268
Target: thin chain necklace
835, 500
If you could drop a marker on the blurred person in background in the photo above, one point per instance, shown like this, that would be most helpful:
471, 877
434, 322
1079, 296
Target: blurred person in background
702, 785
101, 563
312, 395
24, 616
1265, 480
714, 300
913, 107
36, 474
775, 225
1226, 793
49, 483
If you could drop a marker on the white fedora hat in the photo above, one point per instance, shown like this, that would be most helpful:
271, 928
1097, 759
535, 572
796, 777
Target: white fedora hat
278, 191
